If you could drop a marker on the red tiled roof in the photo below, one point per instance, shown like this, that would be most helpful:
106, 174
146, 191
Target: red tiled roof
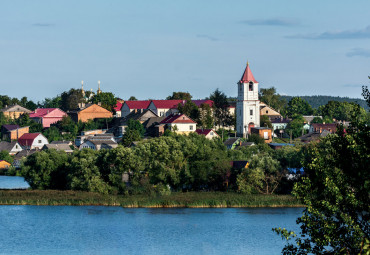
203, 131
138, 104
247, 76
41, 112
167, 104
118, 106
177, 118
203, 101
27, 139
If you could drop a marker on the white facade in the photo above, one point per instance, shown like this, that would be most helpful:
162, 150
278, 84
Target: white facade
183, 127
38, 142
161, 112
247, 106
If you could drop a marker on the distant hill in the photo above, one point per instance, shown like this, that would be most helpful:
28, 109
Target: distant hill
316, 101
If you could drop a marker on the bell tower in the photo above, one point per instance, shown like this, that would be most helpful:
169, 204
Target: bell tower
248, 105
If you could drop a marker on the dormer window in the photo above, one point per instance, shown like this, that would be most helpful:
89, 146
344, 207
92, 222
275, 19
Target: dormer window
250, 86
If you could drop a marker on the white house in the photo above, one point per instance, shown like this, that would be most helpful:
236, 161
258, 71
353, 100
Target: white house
248, 105
31, 141
164, 108
180, 123
11, 147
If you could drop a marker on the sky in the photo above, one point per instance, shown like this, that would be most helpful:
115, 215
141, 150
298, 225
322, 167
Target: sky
149, 49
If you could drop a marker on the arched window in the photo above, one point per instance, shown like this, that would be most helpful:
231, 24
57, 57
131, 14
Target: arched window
250, 86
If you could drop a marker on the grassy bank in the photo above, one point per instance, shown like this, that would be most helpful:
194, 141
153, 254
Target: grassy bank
179, 199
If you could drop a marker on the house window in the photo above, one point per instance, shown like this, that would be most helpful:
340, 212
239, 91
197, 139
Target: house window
266, 135
161, 114
267, 111
16, 146
39, 141
251, 112
191, 127
211, 133
251, 86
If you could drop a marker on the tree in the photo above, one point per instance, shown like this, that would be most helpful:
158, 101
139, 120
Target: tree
336, 193
136, 125
45, 170
269, 97
52, 134
180, 96
298, 106
190, 109
265, 121
69, 100
221, 111
132, 98
295, 126
130, 136
205, 119
317, 120
4, 155
107, 100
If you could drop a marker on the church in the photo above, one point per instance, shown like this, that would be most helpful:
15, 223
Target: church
248, 105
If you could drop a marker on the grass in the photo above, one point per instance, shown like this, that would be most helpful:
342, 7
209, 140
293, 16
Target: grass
177, 199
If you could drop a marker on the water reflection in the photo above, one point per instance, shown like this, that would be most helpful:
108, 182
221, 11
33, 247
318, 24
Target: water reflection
13, 182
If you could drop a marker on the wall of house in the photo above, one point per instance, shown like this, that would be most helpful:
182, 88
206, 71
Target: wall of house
125, 110
183, 128
88, 145
15, 134
17, 148
13, 115
39, 142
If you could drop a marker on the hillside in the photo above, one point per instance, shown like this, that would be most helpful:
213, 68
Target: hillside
316, 101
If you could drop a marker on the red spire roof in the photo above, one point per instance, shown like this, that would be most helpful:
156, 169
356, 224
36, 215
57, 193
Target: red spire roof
247, 76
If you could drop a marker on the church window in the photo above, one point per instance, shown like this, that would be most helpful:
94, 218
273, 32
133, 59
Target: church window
251, 112
251, 86
241, 87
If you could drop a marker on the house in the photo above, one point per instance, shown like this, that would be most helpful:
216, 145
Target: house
13, 132
4, 164
90, 112
165, 107
208, 133
47, 116
270, 112
232, 142
129, 106
31, 141
11, 147
319, 128
309, 118
263, 132
97, 144
152, 126
180, 123
279, 124
117, 108
69, 143
120, 124
277, 146
311, 137
59, 147
14, 111
86, 136
231, 108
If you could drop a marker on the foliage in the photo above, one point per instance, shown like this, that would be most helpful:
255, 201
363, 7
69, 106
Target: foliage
295, 126
255, 138
269, 97
317, 120
132, 98
130, 135
135, 125
44, 169
107, 100
4, 155
265, 121
299, 106
70, 99
221, 112
53, 134
336, 193
52, 102
180, 96
340, 110
206, 119
190, 109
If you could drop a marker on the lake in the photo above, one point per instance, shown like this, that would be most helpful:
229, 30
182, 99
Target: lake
13, 182
116, 230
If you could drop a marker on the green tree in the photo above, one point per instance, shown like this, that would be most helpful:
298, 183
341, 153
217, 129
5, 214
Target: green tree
4, 155
135, 125
265, 121
130, 135
107, 100
189, 109
298, 106
52, 134
295, 126
45, 170
132, 98
317, 120
336, 191
206, 119
69, 100
269, 97
180, 96
221, 111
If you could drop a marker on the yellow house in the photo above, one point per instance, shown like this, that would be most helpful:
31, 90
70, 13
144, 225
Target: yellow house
4, 164
14, 111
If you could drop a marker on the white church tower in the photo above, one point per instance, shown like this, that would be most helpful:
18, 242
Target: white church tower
248, 105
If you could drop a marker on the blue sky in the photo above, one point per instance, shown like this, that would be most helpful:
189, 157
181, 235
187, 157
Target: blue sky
151, 48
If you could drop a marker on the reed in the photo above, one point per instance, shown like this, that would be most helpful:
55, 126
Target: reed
176, 199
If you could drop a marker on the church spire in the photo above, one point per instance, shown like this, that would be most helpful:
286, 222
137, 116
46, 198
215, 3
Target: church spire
99, 91
247, 75
82, 88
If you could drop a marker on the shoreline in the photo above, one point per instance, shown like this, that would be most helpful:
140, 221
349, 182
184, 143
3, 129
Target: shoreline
174, 200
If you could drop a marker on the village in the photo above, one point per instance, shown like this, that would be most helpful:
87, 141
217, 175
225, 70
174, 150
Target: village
156, 118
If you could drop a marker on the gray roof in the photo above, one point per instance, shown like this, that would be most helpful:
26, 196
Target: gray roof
153, 121
7, 146
142, 116
101, 141
310, 118
58, 147
61, 142
231, 141
15, 108
24, 153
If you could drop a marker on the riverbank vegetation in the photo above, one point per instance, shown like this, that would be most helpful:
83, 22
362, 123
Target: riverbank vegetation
166, 164
175, 199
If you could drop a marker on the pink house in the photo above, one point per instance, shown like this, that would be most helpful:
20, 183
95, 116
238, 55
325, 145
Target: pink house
47, 116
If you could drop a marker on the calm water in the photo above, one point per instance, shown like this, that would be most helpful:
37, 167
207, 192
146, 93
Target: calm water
115, 230
12, 182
